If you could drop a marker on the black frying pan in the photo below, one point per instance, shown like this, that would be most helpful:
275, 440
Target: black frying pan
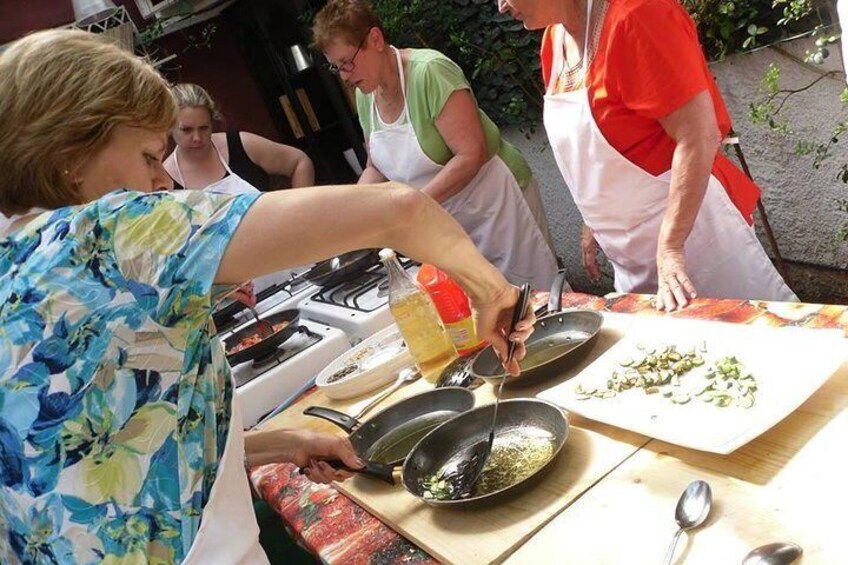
341, 268
523, 416
265, 346
555, 342
224, 316
389, 435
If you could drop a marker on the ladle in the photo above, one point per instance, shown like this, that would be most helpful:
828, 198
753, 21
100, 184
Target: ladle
263, 327
462, 473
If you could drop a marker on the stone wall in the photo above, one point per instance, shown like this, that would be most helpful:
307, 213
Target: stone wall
800, 200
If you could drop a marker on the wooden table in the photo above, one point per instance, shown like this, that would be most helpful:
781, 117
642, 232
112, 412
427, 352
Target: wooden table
786, 485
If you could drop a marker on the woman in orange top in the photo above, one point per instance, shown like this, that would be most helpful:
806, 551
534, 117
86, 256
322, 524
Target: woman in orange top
635, 121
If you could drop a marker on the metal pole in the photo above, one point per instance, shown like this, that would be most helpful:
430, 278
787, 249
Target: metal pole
781, 266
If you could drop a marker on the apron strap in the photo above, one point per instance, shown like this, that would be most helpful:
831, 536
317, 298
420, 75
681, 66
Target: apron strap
218, 153
180, 172
404, 116
586, 34
558, 62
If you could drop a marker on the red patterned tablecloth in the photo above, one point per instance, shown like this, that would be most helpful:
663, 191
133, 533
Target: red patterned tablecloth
337, 530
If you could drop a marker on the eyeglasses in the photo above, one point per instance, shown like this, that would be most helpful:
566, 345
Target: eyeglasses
347, 66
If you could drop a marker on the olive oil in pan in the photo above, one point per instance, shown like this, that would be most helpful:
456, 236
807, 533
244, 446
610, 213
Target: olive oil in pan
549, 348
397, 444
516, 454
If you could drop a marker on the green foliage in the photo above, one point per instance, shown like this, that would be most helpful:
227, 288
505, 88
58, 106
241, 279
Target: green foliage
500, 58
729, 26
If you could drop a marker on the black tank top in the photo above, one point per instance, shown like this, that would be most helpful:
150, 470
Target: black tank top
241, 165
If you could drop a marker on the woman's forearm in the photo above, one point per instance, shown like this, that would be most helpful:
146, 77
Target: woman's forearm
690, 172
371, 176
294, 227
453, 178
304, 173
264, 447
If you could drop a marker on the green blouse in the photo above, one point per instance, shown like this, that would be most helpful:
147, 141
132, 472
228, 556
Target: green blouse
431, 79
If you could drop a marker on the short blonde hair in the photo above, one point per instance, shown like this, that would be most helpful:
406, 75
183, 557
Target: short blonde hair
62, 93
349, 20
189, 95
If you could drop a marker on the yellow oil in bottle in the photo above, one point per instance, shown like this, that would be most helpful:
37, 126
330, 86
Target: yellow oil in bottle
424, 333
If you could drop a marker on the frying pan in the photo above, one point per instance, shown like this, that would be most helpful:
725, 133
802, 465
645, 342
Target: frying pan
443, 444
555, 342
265, 346
224, 316
388, 436
341, 268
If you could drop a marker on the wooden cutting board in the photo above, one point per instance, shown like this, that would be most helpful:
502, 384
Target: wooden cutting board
490, 533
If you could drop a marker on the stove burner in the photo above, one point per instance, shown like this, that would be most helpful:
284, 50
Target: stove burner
303, 339
354, 294
383, 289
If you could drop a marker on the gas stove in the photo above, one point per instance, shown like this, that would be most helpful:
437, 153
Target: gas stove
264, 384
360, 306
282, 295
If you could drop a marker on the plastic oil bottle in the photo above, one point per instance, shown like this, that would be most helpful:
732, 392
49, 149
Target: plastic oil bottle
419, 322
453, 307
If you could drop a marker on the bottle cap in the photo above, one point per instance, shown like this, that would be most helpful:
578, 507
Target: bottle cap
386, 254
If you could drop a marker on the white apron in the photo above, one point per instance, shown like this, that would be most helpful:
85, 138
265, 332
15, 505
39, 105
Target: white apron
228, 532
234, 184
490, 208
624, 205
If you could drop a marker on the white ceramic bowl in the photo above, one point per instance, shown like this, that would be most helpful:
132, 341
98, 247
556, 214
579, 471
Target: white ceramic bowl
375, 361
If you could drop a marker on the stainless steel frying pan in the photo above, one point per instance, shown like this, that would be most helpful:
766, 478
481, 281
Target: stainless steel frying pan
558, 338
524, 416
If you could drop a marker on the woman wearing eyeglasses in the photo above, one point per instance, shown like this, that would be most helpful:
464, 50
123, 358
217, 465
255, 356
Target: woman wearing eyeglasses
423, 127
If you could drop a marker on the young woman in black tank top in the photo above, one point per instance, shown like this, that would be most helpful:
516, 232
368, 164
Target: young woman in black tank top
201, 157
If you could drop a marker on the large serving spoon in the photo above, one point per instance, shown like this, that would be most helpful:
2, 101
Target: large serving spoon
463, 471
780, 553
263, 327
692, 511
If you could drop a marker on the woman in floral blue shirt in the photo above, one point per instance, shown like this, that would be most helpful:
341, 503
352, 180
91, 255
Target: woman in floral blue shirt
118, 440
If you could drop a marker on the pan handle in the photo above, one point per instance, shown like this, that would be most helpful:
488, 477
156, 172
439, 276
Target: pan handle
382, 471
555, 300
342, 420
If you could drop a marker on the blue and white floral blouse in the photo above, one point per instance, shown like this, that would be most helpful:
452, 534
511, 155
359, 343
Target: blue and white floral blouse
114, 397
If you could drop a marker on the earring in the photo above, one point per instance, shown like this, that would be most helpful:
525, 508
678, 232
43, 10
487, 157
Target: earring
67, 172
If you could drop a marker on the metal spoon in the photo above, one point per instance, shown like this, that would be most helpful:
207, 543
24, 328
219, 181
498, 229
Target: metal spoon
692, 511
405, 377
463, 471
780, 553
263, 327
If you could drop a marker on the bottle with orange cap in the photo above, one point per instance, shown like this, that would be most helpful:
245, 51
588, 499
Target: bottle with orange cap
453, 307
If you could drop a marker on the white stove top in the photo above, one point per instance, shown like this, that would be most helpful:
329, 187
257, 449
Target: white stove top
360, 307
263, 387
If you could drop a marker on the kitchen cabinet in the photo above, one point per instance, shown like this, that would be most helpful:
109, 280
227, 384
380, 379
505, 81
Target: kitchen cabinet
309, 106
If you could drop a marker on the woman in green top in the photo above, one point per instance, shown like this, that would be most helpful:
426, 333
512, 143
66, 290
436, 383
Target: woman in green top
423, 128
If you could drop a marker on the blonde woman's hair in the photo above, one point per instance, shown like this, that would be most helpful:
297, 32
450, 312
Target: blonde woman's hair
348, 20
189, 95
62, 93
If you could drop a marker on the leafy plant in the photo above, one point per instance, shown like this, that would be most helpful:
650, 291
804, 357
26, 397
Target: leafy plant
767, 107
500, 58
729, 26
